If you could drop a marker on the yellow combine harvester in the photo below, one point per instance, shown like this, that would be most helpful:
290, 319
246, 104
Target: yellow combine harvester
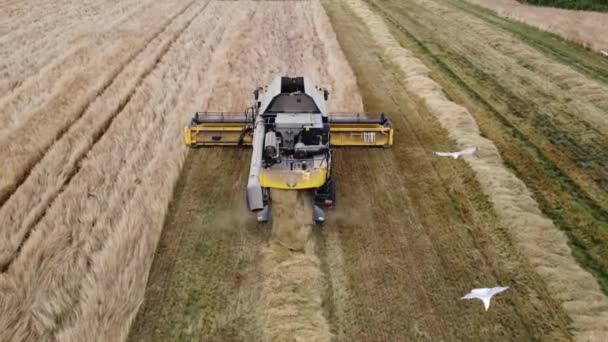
292, 136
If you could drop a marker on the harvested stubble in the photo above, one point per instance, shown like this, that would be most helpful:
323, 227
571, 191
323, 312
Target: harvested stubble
587, 28
540, 100
291, 299
537, 237
543, 137
525, 65
290, 302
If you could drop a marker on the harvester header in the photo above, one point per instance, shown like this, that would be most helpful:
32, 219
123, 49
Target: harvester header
292, 136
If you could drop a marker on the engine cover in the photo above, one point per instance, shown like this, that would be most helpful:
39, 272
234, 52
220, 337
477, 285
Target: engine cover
289, 125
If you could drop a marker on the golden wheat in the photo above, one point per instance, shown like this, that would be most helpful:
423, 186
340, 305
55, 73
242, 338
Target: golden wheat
57, 61
127, 281
46, 179
25, 145
536, 236
79, 221
39, 37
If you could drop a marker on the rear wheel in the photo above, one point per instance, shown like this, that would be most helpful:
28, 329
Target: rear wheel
325, 196
332, 192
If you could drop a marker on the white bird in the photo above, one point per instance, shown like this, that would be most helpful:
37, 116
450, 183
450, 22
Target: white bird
484, 294
456, 155
604, 53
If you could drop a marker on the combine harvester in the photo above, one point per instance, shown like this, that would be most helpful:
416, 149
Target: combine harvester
292, 135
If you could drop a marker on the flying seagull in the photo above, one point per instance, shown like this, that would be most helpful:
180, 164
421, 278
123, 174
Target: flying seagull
456, 155
484, 294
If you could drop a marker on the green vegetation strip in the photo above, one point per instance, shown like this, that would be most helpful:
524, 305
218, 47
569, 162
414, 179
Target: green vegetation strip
580, 5
580, 248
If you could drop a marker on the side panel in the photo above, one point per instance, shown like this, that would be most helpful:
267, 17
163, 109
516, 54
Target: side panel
218, 134
360, 134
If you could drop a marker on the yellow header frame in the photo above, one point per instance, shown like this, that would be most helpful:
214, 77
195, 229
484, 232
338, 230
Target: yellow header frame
229, 134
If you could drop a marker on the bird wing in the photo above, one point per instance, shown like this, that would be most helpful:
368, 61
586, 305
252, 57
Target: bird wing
498, 289
476, 294
470, 296
486, 302
484, 294
444, 154
481, 296
469, 150
480, 292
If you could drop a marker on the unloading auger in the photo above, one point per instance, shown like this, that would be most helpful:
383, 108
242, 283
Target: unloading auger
292, 136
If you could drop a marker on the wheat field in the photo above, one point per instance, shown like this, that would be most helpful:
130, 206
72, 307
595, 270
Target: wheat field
93, 157
105, 163
112, 230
